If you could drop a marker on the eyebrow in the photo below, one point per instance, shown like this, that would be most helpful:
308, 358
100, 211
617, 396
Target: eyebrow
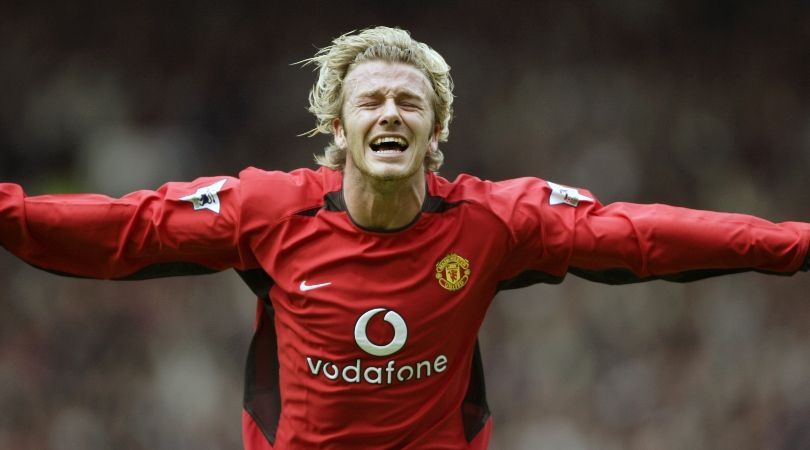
400, 93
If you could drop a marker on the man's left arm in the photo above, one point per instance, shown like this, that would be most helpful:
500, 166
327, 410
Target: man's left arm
626, 242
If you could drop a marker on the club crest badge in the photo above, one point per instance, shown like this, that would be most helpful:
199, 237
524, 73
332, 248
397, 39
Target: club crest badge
452, 272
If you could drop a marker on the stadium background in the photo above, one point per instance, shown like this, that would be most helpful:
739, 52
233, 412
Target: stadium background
700, 104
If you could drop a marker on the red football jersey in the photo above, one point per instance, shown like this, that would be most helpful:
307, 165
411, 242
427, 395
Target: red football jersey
368, 338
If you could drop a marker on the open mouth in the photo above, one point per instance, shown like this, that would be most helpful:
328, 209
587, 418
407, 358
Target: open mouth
389, 144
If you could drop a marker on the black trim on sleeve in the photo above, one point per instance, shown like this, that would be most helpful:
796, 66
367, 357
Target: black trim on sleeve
160, 270
163, 270
529, 278
623, 276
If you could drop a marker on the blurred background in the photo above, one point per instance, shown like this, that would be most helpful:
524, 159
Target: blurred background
692, 103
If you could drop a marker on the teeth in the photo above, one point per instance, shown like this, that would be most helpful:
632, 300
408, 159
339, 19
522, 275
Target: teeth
390, 139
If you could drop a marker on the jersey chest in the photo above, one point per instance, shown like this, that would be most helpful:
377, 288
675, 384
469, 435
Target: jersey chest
336, 284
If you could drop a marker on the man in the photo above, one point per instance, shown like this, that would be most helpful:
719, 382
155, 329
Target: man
373, 273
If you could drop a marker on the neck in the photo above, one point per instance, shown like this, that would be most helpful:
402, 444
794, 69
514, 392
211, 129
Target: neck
383, 204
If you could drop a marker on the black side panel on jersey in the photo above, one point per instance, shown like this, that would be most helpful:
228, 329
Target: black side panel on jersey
258, 281
262, 398
475, 410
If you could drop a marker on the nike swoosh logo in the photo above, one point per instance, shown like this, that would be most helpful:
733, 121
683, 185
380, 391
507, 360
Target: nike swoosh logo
308, 287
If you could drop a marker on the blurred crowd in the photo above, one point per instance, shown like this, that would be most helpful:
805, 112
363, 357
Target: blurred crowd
698, 104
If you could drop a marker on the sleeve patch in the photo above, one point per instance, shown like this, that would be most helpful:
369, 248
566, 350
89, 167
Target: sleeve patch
565, 195
206, 197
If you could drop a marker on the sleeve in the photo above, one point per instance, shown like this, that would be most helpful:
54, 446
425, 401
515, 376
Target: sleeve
559, 230
179, 229
627, 242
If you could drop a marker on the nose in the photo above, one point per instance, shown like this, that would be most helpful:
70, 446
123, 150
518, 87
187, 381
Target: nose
390, 113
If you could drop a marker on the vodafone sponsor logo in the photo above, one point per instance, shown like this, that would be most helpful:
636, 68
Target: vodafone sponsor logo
393, 318
390, 371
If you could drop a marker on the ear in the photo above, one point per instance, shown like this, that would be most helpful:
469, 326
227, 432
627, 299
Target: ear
433, 144
339, 132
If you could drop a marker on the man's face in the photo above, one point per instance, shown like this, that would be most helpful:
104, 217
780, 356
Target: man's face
387, 123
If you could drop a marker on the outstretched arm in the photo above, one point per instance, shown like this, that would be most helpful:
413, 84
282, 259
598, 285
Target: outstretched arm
559, 230
181, 228
626, 242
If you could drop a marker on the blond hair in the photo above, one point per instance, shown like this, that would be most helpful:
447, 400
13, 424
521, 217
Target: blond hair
375, 44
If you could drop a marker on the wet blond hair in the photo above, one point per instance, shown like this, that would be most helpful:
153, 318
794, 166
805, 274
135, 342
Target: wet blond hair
375, 44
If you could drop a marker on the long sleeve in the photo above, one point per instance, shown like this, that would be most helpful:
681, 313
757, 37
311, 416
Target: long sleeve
181, 228
626, 242
559, 230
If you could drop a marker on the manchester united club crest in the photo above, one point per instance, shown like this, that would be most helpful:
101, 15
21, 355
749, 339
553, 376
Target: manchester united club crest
453, 271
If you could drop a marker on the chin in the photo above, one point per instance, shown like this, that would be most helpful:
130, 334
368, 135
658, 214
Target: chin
391, 175
389, 171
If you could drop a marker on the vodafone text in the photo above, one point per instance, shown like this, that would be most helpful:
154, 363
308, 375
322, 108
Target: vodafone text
390, 373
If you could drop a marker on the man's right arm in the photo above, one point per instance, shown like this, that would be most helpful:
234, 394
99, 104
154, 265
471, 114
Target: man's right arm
181, 228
